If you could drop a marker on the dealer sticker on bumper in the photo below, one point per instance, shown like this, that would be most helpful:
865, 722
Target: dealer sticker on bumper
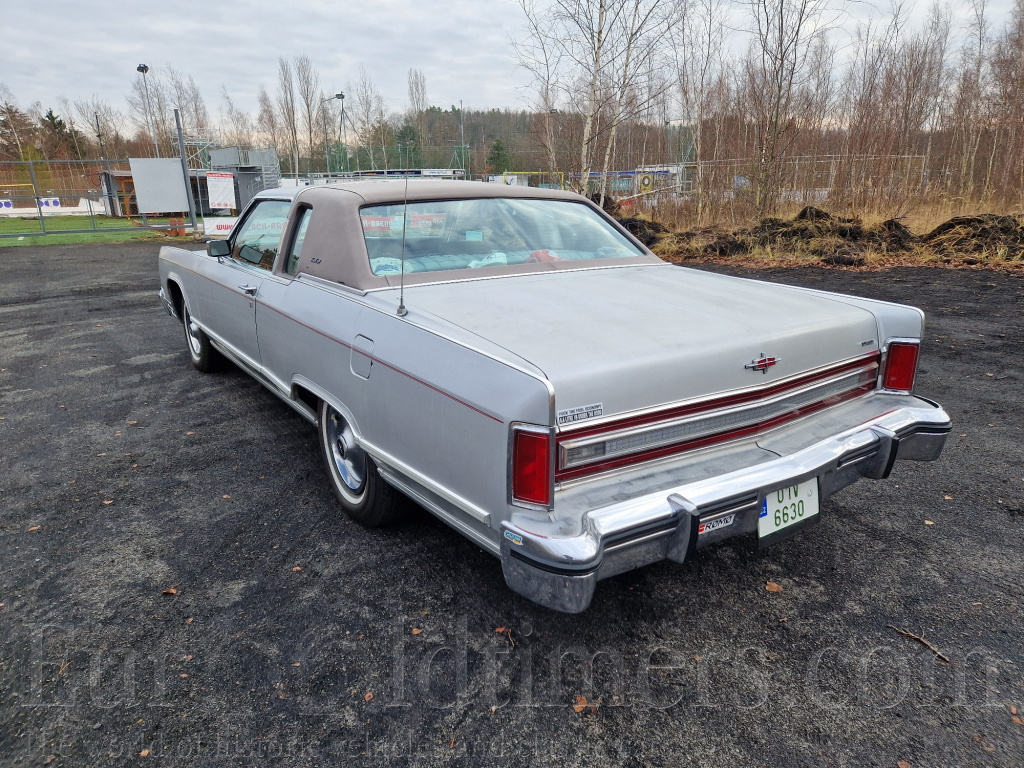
714, 525
788, 507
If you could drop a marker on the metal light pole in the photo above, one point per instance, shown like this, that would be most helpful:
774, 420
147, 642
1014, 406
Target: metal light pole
149, 107
668, 142
327, 151
462, 131
185, 173
341, 133
551, 137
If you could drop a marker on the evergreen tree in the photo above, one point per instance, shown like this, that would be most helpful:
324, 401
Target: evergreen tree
498, 159
409, 146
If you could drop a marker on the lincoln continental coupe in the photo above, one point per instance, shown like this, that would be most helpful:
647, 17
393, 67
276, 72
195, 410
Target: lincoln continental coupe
518, 364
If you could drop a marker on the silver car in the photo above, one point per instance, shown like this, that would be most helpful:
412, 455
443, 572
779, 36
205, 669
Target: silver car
527, 371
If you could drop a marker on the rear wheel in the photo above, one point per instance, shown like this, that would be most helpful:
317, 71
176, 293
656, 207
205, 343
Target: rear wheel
360, 489
204, 357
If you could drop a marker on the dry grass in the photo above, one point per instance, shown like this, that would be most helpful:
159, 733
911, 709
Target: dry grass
813, 236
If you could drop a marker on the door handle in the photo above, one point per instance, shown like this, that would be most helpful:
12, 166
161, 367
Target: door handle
249, 290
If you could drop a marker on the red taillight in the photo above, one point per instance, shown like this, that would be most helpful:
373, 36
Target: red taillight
531, 467
900, 366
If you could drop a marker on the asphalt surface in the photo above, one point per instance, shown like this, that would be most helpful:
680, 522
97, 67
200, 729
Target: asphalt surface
179, 586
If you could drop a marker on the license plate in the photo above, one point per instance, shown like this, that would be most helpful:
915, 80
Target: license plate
785, 510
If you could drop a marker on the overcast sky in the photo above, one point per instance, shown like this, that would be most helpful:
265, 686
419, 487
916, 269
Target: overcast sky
78, 49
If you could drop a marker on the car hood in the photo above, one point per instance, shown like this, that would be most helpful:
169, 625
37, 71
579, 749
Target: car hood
637, 337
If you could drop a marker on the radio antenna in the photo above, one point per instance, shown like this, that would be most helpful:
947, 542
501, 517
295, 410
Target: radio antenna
402, 311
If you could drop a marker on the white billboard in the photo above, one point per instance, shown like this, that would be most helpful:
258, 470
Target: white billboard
221, 189
159, 185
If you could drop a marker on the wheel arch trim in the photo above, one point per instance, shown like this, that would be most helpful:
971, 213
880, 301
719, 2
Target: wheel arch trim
300, 383
176, 296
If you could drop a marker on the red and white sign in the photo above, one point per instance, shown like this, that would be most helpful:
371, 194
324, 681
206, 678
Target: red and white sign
380, 225
218, 226
377, 224
221, 189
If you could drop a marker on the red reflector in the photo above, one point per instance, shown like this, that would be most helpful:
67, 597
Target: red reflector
900, 366
531, 468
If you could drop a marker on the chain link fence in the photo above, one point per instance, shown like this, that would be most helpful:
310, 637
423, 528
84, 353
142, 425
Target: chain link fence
69, 196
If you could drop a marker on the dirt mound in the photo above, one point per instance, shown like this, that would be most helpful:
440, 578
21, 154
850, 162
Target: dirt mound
841, 259
811, 230
816, 234
893, 234
986, 234
611, 207
646, 231
810, 213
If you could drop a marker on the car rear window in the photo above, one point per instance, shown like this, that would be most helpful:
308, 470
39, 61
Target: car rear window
445, 235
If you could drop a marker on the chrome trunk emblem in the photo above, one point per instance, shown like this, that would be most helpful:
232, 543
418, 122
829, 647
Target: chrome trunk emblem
762, 364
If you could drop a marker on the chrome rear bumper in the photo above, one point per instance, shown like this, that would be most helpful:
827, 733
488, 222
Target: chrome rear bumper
561, 572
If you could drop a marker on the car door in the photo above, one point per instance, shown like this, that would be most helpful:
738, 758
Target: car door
306, 330
231, 290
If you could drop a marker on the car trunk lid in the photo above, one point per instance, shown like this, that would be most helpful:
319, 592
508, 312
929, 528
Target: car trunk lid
612, 341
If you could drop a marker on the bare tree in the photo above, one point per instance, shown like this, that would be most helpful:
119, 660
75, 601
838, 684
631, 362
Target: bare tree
308, 83
78, 139
188, 100
970, 92
596, 48
585, 29
698, 35
13, 122
155, 108
237, 124
540, 54
370, 117
1007, 65
639, 33
112, 123
267, 121
287, 110
418, 104
783, 33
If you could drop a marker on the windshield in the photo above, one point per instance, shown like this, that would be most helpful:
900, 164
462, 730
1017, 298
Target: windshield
489, 232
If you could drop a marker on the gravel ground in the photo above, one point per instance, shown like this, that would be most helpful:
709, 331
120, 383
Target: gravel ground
178, 584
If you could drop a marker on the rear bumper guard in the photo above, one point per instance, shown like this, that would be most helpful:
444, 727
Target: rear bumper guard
561, 572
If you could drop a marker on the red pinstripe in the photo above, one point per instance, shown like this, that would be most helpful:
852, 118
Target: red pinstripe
349, 346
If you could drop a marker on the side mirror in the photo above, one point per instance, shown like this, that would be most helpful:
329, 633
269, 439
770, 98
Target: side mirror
218, 248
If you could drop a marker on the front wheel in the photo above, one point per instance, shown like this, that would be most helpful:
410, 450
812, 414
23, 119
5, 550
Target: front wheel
360, 489
204, 357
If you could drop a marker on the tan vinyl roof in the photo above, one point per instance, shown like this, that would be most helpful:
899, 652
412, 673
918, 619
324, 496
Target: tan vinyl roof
341, 236
375, 191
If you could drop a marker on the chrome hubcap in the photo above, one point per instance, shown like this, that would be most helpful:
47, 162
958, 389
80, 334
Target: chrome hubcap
193, 337
349, 459
192, 332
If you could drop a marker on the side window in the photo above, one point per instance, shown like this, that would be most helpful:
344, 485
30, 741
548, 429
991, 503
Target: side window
259, 237
295, 252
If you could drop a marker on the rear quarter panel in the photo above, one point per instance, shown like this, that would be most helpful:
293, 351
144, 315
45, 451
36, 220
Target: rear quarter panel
432, 408
445, 409
892, 320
